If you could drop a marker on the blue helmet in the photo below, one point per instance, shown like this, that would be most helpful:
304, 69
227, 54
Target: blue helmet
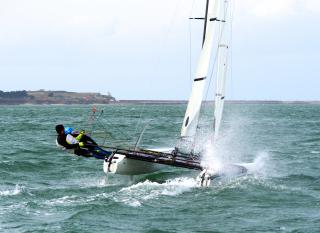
68, 130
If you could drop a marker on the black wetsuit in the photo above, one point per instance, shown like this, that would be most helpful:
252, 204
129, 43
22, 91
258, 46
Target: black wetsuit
91, 148
62, 140
86, 151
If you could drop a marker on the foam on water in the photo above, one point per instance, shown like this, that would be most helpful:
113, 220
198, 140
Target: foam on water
94, 182
74, 200
18, 189
314, 152
61, 201
259, 165
222, 152
133, 195
136, 194
100, 181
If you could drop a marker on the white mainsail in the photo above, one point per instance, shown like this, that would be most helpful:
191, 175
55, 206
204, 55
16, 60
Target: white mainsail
191, 118
222, 60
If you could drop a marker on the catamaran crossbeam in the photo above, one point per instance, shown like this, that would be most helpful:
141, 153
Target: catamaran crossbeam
150, 158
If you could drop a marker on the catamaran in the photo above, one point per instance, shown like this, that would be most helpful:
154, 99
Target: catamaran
215, 44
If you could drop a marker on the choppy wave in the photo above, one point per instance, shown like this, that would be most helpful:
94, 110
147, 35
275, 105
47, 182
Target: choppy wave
136, 194
43, 189
75, 200
11, 192
315, 152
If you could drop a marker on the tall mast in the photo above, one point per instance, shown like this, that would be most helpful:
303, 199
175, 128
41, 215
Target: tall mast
205, 23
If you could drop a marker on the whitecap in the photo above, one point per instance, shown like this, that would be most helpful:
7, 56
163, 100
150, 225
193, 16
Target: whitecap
13, 192
74, 200
137, 194
61, 201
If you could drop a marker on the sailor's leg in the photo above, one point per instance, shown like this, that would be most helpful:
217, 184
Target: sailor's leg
98, 152
83, 152
86, 139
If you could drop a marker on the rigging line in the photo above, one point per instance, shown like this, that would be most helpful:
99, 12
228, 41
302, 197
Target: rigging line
96, 118
104, 129
167, 33
109, 134
211, 73
91, 118
190, 42
231, 44
117, 128
139, 121
190, 53
141, 134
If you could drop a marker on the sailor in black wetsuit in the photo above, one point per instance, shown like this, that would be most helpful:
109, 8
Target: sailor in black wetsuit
79, 143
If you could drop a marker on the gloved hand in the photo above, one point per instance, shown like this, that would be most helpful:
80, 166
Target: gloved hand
81, 144
82, 132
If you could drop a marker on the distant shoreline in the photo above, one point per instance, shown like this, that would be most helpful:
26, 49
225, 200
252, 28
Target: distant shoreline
208, 102
163, 102
43, 97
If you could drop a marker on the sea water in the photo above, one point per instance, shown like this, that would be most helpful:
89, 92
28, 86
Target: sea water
43, 189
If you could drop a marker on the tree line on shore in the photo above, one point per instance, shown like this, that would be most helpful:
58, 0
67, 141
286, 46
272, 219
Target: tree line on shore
14, 94
53, 97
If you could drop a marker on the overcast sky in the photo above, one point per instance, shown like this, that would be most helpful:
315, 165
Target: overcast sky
140, 49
